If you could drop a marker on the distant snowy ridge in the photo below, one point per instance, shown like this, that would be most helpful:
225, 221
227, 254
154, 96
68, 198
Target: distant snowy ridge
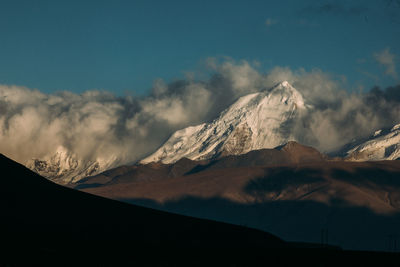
255, 121
383, 145
64, 167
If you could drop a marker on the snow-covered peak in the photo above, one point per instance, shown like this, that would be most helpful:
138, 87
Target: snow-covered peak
66, 167
255, 121
287, 91
383, 145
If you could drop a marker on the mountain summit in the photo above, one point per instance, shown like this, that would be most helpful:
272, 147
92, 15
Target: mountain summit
255, 121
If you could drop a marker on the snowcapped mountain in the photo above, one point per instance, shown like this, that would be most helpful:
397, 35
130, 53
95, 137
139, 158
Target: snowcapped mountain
255, 121
64, 166
383, 145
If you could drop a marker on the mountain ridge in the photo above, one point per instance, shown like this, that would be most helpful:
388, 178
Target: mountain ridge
382, 145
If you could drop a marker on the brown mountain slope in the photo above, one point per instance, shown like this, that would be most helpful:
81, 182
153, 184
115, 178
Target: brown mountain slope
291, 153
295, 194
357, 184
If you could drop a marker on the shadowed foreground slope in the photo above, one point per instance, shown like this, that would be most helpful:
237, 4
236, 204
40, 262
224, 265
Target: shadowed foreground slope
46, 224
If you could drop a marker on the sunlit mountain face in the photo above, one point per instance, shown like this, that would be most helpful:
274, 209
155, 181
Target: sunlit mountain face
255, 121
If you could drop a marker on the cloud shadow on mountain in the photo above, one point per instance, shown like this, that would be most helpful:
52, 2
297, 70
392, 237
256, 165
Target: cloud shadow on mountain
352, 227
277, 179
374, 176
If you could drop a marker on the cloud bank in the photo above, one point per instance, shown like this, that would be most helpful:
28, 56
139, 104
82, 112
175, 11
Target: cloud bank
99, 125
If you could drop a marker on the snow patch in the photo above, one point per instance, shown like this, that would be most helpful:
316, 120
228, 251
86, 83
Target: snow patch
377, 133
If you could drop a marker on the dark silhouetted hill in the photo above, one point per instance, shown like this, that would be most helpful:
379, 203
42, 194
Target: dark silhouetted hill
46, 224
45, 218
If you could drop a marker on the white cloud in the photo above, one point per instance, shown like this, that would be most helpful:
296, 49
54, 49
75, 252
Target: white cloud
386, 58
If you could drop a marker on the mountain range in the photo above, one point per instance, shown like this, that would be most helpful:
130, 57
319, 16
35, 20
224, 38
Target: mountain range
262, 120
246, 162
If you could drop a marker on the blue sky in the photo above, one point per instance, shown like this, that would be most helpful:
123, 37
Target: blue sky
123, 46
